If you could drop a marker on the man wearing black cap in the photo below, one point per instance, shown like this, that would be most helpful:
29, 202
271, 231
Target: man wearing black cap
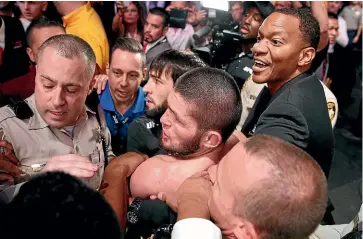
254, 13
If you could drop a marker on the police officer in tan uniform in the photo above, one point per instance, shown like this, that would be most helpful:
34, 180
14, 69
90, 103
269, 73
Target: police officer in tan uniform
62, 131
251, 90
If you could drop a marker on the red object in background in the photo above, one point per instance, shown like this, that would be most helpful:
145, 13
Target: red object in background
1, 56
145, 46
22, 86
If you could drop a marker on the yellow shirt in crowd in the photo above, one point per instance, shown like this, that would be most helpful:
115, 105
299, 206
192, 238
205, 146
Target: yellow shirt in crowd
86, 24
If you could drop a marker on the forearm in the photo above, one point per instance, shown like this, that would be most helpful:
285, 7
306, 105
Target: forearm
116, 193
193, 209
319, 11
359, 31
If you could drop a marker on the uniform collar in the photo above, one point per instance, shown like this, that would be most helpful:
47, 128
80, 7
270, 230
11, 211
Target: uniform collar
37, 122
106, 101
77, 14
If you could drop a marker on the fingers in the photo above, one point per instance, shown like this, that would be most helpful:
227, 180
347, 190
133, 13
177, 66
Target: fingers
6, 144
101, 81
202, 174
79, 172
154, 197
10, 168
73, 164
6, 177
103, 84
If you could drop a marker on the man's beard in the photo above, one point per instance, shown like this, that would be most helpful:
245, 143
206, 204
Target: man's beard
185, 149
158, 111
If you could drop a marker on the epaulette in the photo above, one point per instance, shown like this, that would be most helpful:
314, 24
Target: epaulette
16, 107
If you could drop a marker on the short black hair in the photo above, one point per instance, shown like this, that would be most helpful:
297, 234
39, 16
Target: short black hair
130, 45
332, 15
42, 22
215, 97
162, 13
308, 25
175, 63
58, 205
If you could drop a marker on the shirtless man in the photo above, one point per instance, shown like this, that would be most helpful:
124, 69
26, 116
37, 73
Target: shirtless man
203, 111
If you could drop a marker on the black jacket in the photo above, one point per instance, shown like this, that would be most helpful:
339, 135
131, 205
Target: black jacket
298, 114
15, 61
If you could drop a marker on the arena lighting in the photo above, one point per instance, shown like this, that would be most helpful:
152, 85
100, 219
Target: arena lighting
216, 4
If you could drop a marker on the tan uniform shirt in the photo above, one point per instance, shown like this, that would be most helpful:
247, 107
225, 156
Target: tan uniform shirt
35, 142
251, 90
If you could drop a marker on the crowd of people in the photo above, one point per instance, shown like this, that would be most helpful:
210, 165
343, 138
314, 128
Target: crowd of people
112, 125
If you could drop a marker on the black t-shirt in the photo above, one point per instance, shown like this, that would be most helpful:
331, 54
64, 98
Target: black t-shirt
241, 68
298, 114
143, 136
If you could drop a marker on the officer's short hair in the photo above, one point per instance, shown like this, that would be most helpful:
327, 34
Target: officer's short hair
130, 45
214, 98
162, 13
42, 22
175, 63
70, 46
291, 201
58, 205
308, 25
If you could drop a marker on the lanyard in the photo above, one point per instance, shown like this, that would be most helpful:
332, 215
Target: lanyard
117, 122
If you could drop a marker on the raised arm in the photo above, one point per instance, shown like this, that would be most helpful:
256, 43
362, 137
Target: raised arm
319, 11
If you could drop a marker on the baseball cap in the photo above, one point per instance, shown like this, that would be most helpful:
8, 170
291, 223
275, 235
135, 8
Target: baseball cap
265, 7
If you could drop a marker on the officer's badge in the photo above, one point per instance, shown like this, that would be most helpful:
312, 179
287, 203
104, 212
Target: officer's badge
332, 110
97, 134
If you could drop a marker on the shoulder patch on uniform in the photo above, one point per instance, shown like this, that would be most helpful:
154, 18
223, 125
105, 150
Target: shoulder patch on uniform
5, 113
332, 109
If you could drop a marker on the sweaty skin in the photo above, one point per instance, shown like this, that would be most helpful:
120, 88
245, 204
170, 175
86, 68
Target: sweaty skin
164, 173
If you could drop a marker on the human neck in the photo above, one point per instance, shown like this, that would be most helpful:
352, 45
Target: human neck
122, 107
132, 28
212, 154
273, 87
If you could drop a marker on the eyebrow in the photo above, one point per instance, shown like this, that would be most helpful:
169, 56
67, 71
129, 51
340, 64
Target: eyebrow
54, 81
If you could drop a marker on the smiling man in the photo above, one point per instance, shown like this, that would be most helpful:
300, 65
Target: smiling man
293, 105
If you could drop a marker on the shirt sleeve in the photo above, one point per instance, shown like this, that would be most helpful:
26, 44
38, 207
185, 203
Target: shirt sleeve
195, 228
343, 35
135, 137
286, 122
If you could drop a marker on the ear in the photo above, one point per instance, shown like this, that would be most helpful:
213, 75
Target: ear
165, 30
245, 230
307, 55
211, 139
31, 54
107, 68
44, 6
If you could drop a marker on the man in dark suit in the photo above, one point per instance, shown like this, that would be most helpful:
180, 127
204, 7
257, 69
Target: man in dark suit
14, 60
155, 29
292, 106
